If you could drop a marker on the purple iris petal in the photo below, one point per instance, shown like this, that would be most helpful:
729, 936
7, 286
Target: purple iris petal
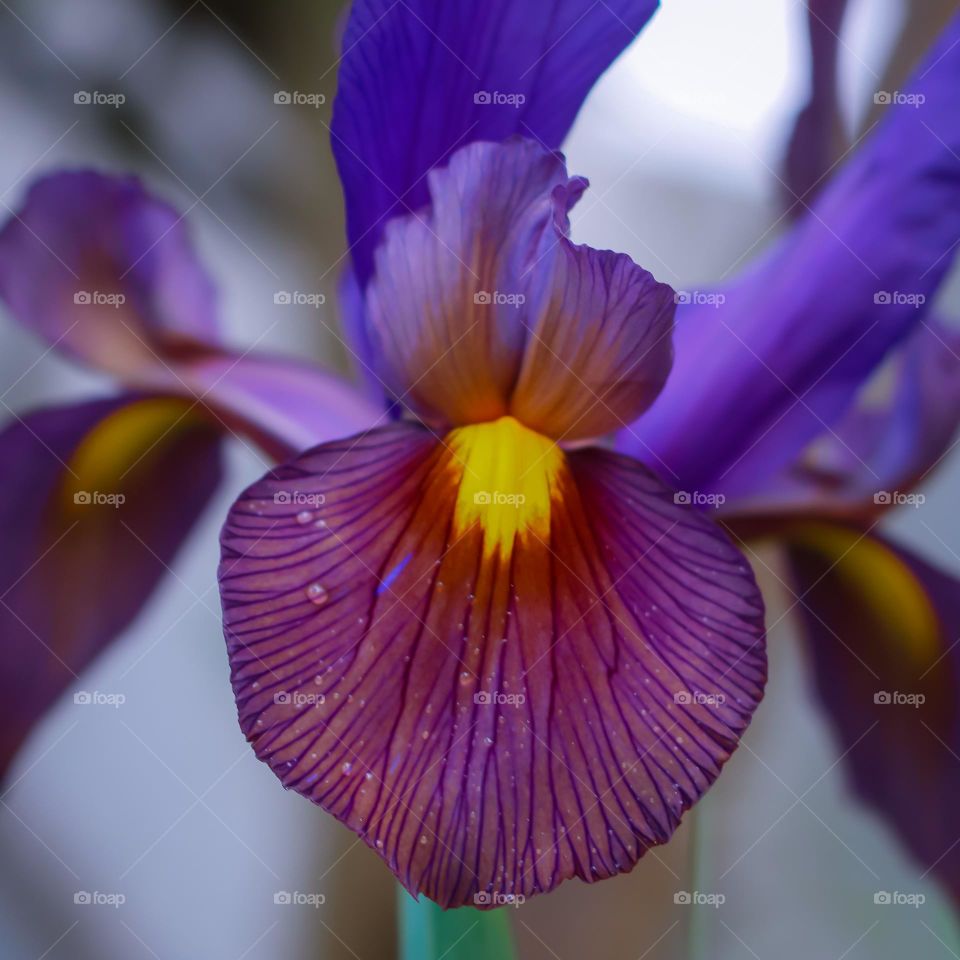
883, 626
489, 721
104, 270
882, 447
420, 79
817, 133
599, 348
96, 500
285, 405
759, 377
447, 301
481, 305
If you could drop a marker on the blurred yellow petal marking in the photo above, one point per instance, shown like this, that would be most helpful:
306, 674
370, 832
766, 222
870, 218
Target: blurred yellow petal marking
507, 477
892, 594
119, 444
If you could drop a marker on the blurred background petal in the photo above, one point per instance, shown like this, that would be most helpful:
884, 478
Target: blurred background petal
96, 501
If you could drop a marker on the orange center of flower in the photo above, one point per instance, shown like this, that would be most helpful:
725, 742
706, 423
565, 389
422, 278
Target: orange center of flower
507, 477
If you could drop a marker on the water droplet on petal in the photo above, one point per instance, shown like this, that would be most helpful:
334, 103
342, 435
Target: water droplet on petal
316, 594
304, 516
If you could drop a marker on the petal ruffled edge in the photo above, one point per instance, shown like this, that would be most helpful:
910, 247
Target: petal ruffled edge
483, 307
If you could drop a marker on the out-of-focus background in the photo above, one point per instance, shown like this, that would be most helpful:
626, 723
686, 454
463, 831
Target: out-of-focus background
161, 799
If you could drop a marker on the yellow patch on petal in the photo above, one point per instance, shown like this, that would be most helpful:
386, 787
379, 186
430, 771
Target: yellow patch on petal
108, 457
507, 477
891, 593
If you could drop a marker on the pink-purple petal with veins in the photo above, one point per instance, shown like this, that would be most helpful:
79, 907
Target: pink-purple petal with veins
490, 715
481, 306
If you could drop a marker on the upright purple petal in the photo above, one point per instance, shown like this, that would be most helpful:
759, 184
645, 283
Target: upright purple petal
598, 348
420, 79
447, 301
105, 271
481, 305
815, 141
759, 376
95, 500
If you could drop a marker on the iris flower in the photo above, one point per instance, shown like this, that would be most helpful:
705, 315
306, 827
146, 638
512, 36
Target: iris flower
501, 632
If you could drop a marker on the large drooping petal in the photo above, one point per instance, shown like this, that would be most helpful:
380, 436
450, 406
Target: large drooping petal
883, 626
482, 306
760, 375
102, 269
501, 664
95, 500
421, 78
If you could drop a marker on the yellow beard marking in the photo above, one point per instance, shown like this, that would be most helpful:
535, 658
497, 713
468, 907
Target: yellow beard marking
888, 585
507, 477
119, 444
